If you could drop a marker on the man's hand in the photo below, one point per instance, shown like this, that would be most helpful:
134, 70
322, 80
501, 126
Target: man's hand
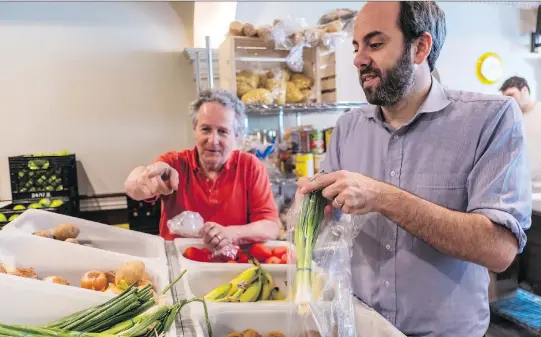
218, 236
351, 192
156, 179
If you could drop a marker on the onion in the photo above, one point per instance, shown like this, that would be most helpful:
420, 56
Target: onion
110, 277
94, 280
2, 269
56, 279
25, 272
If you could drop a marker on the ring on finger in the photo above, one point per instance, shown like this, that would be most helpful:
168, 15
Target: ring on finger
337, 204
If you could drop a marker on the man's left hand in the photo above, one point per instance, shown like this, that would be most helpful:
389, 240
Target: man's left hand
351, 192
217, 236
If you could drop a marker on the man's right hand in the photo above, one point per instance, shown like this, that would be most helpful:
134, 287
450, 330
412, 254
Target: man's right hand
147, 182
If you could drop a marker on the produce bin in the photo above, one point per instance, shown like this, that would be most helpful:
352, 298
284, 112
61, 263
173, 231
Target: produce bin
182, 244
49, 257
100, 235
43, 176
25, 303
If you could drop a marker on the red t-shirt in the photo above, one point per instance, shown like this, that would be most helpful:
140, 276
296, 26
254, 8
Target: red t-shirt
240, 195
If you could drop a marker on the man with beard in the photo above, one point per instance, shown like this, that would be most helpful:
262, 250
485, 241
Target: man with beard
438, 179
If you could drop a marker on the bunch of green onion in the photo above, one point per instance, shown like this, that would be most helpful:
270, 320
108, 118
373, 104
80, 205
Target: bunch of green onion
133, 313
307, 229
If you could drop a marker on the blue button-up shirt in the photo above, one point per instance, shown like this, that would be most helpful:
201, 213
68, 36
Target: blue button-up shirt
463, 151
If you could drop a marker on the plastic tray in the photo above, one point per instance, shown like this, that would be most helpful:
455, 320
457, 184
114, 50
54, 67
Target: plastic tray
226, 321
24, 303
182, 244
70, 261
198, 283
100, 235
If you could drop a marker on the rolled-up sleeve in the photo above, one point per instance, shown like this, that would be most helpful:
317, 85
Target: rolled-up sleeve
499, 185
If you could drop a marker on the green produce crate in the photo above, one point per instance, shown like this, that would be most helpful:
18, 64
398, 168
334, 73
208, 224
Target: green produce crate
62, 205
40, 176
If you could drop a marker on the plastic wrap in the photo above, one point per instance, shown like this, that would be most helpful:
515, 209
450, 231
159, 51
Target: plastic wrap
324, 304
189, 224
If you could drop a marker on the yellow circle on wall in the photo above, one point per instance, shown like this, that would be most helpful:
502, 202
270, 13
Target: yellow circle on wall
489, 68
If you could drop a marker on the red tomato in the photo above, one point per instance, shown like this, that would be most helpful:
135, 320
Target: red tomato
283, 260
192, 253
272, 260
206, 255
243, 258
231, 261
260, 252
279, 251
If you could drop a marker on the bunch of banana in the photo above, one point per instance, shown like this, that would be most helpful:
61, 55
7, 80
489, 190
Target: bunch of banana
252, 285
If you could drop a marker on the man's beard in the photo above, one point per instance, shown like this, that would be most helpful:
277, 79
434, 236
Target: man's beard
394, 85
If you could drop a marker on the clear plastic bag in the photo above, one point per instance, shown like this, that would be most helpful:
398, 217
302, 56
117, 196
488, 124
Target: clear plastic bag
322, 292
189, 224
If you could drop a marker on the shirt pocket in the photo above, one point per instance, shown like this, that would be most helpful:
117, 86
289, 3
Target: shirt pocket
445, 189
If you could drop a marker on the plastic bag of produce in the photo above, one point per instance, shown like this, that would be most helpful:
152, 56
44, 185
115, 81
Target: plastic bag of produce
321, 276
189, 224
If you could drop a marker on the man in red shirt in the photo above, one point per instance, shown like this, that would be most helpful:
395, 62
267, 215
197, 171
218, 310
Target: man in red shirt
230, 189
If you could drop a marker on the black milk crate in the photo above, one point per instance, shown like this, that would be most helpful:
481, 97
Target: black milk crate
69, 206
54, 175
144, 215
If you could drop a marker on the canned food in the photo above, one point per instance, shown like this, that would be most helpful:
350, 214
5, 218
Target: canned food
304, 165
295, 141
317, 144
318, 158
305, 135
327, 133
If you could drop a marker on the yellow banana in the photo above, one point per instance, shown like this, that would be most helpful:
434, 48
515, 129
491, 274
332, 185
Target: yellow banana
267, 285
277, 294
243, 280
252, 293
218, 292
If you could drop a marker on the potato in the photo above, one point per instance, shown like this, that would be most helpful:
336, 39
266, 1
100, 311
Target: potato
313, 36
129, 273
293, 94
65, 231
2, 269
57, 280
274, 333
248, 30
235, 28
257, 96
264, 33
251, 333
24, 272
71, 240
301, 81
248, 76
110, 275
45, 234
242, 88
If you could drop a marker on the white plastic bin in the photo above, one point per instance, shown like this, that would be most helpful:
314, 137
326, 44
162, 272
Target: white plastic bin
26, 303
70, 261
182, 244
100, 235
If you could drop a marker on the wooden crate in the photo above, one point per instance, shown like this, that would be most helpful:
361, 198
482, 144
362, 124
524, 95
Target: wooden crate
246, 53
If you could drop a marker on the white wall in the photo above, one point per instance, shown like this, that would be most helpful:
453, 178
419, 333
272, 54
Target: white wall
473, 29
106, 81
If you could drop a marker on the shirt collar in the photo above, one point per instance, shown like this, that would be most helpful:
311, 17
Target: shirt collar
194, 165
436, 100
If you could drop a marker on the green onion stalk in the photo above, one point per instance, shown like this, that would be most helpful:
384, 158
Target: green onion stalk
133, 313
307, 229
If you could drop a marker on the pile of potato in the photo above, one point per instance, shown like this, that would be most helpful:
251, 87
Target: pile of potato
277, 86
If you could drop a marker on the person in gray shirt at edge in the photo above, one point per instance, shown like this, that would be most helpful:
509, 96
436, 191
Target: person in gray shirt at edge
438, 178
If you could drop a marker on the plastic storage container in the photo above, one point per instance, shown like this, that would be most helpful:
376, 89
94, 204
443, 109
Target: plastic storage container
100, 235
25, 303
70, 261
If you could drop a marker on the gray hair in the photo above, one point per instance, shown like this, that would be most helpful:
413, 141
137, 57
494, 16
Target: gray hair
224, 98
